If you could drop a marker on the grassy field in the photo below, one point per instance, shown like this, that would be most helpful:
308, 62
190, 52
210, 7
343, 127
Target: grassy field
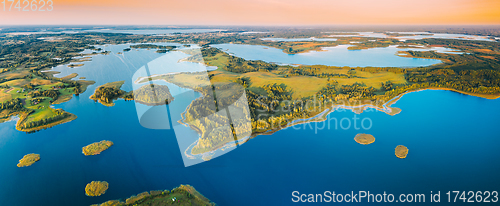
14, 74
5, 94
42, 110
302, 86
219, 60
66, 95
16, 82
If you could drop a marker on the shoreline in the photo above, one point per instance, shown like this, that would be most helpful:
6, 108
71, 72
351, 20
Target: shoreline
325, 48
319, 117
322, 117
408, 55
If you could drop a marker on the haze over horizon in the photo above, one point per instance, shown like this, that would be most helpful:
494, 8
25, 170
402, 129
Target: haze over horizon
260, 12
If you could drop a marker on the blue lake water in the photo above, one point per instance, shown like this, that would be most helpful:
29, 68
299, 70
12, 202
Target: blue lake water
153, 31
452, 138
416, 35
332, 56
117, 67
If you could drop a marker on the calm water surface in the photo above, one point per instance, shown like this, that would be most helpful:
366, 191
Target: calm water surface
299, 39
453, 144
332, 56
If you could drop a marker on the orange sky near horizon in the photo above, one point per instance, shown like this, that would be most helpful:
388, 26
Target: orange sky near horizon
257, 12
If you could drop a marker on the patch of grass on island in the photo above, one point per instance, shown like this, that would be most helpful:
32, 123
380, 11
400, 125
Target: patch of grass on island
28, 160
364, 139
182, 195
401, 151
96, 147
96, 188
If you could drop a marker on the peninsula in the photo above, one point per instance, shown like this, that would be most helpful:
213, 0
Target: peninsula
105, 94
296, 93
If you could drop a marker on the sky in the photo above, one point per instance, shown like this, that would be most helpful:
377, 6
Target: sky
254, 12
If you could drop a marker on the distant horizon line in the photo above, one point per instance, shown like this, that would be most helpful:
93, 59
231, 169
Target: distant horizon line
248, 25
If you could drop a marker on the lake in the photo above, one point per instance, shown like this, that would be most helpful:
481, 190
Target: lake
452, 139
125, 31
299, 39
333, 56
117, 67
416, 35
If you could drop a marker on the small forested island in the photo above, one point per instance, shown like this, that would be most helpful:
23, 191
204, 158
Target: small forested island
105, 94
401, 151
28, 160
153, 94
96, 147
364, 139
96, 188
160, 48
182, 195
